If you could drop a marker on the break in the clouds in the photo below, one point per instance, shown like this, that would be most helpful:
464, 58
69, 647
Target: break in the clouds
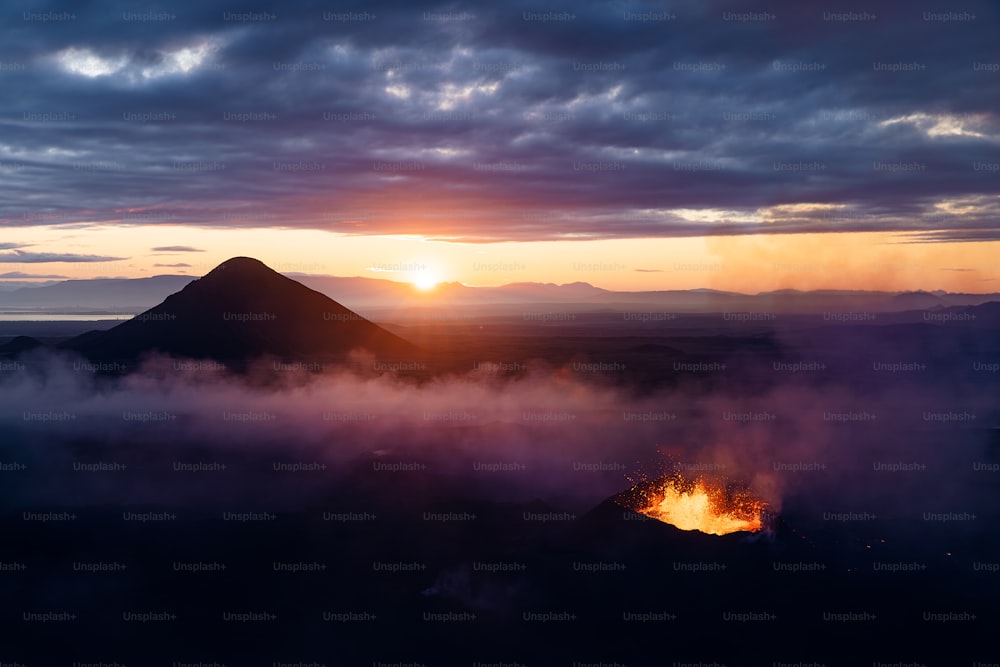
22, 257
514, 121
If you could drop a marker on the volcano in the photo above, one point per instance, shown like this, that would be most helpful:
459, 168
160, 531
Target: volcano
243, 310
707, 506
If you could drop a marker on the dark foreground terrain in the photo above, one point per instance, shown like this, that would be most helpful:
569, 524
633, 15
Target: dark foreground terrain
465, 513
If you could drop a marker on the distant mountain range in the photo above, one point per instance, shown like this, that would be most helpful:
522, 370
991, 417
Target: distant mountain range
100, 295
389, 299
243, 311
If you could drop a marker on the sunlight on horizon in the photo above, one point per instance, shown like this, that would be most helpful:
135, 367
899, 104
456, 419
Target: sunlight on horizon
878, 261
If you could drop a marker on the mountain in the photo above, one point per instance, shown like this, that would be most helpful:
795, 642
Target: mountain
7, 285
399, 301
379, 293
916, 301
359, 293
578, 291
239, 311
102, 295
18, 345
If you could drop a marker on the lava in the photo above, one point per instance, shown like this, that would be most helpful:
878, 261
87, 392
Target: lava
698, 504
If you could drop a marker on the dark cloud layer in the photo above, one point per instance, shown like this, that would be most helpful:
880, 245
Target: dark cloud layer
21, 274
514, 121
176, 248
22, 257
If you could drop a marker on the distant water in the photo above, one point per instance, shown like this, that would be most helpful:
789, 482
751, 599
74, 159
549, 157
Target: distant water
62, 317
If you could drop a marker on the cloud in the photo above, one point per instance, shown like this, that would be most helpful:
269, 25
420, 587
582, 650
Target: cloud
649, 270
571, 440
175, 266
501, 126
19, 274
21, 257
177, 408
176, 248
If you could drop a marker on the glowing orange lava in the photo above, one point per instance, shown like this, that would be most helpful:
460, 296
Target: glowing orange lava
697, 505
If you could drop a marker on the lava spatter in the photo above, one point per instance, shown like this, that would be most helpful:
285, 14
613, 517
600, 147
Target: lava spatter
696, 504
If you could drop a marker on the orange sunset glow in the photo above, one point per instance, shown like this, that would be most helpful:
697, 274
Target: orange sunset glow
748, 264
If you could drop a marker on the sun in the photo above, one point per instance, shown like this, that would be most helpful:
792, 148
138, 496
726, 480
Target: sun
425, 281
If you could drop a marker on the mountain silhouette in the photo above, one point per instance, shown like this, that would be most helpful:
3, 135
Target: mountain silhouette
240, 311
97, 295
18, 345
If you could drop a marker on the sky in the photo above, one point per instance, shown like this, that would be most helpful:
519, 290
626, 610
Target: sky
631, 145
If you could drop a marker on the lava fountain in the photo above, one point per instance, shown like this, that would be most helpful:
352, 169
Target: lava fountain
696, 504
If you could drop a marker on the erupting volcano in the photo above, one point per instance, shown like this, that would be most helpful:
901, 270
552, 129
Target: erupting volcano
697, 504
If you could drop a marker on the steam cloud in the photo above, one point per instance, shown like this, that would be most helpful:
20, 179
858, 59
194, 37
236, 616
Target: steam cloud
545, 435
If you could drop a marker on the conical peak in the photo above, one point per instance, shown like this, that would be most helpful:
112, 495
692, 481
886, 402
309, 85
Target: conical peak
240, 275
243, 309
242, 265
